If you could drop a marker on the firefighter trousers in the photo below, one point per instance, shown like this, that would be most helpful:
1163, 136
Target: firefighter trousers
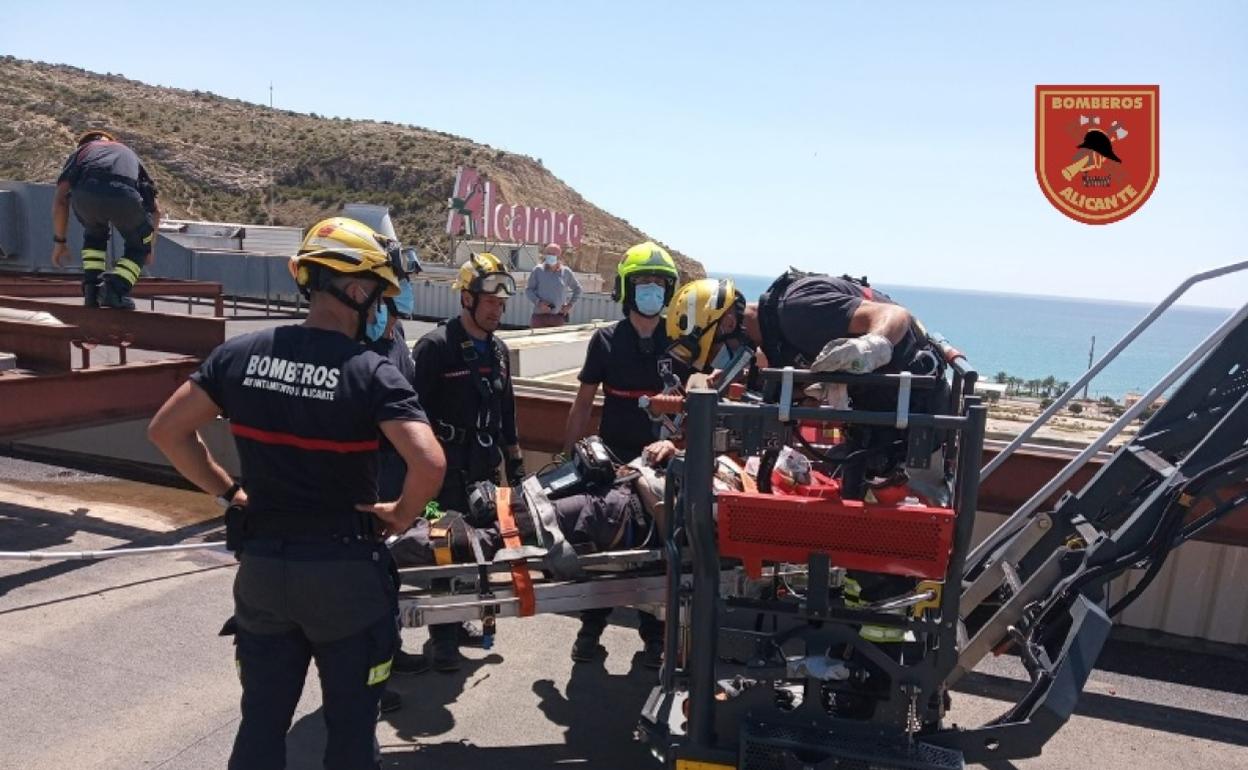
298, 602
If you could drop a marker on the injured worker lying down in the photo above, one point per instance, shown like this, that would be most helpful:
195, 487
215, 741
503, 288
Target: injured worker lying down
586, 505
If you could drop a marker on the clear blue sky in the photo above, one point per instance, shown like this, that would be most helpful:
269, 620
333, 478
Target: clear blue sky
892, 139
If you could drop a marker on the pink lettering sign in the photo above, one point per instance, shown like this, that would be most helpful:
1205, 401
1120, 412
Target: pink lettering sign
477, 209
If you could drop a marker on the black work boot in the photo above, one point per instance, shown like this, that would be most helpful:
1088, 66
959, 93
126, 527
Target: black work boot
652, 655
444, 641
587, 649
390, 701
410, 663
593, 623
114, 292
91, 288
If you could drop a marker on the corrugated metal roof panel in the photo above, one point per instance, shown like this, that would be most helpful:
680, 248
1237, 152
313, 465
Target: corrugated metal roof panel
1199, 592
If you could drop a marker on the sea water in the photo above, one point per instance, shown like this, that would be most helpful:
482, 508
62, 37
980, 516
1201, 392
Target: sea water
1032, 337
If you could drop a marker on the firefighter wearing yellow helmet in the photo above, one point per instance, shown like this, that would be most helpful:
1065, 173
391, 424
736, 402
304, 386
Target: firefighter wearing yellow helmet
308, 407
463, 378
628, 360
340, 246
705, 322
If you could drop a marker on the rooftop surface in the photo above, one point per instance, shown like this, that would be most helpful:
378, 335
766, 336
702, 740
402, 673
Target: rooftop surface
117, 664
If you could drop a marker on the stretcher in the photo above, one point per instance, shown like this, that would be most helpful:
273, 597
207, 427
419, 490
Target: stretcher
461, 592
456, 593
546, 575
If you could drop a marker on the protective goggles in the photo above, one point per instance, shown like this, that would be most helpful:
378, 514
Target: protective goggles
496, 283
404, 261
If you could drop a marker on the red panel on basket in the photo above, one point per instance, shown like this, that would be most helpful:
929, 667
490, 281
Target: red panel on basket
910, 540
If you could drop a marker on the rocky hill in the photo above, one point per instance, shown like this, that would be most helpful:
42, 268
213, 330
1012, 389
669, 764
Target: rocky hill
210, 157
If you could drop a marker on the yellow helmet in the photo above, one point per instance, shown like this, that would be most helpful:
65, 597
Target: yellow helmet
346, 246
693, 319
485, 273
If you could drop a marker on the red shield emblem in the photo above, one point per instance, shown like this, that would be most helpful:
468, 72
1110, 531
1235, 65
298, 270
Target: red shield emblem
1097, 149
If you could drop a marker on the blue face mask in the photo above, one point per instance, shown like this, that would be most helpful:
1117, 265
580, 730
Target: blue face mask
551, 259
377, 326
405, 303
649, 298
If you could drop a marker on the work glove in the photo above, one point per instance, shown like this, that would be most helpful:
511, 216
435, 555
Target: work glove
855, 355
833, 394
515, 471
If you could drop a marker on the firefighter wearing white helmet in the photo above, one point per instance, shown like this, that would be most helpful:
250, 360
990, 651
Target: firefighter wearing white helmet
308, 406
463, 378
628, 360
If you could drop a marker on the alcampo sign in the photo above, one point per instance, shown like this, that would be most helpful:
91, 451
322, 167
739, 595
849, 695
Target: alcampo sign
1097, 149
477, 210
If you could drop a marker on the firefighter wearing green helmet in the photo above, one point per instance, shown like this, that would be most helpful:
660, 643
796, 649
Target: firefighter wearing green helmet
629, 360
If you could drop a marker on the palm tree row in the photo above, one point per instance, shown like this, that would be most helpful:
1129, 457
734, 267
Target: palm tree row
1046, 387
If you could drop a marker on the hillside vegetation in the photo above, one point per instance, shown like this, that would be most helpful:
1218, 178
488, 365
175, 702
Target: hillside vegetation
210, 157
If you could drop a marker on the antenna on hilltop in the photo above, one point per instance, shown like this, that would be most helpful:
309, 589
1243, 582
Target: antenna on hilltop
272, 117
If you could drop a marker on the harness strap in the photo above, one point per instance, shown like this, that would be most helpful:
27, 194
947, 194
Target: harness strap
750, 486
447, 433
441, 553
520, 577
560, 555
631, 395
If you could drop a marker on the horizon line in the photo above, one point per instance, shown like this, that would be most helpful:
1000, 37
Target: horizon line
992, 292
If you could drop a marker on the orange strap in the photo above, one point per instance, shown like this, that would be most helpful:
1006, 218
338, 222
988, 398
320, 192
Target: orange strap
748, 483
520, 577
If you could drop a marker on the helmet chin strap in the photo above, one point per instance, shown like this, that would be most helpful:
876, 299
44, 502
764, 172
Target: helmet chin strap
361, 308
472, 309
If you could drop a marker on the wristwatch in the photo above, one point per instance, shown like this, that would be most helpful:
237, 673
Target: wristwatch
226, 499
59, 240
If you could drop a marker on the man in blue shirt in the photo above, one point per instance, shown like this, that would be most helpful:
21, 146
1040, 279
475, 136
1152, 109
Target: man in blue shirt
553, 289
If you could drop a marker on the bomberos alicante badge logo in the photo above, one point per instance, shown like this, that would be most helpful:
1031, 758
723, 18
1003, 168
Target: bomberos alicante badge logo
1097, 149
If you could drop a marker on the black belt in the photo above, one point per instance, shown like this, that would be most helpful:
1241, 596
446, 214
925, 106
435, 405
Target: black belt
106, 176
311, 528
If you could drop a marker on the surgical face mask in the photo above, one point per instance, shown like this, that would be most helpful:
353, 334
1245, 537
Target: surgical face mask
405, 303
550, 260
649, 298
722, 358
377, 327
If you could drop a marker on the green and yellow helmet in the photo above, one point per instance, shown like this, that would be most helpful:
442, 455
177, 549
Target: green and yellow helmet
647, 258
346, 246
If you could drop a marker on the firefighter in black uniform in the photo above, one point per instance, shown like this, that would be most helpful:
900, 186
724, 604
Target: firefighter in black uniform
815, 321
463, 378
308, 405
105, 183
629, 360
